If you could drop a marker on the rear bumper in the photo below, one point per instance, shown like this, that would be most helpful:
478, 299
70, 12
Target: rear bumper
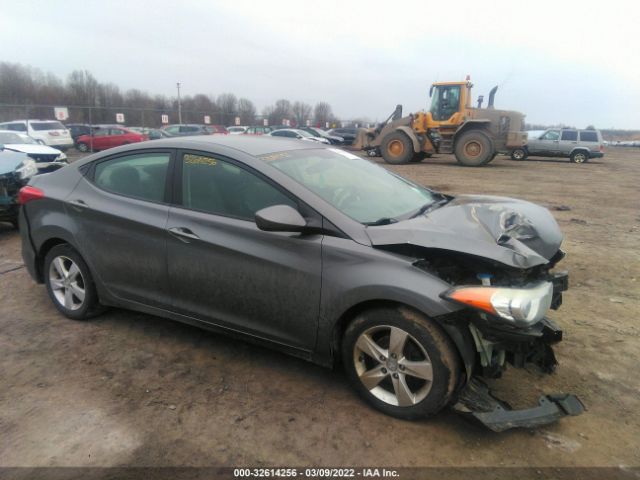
596, 154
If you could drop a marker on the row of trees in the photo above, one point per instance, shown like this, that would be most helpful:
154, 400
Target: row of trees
23, 85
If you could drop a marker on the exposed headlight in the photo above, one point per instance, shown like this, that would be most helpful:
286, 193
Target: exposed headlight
27, 169
61, 157
521, 306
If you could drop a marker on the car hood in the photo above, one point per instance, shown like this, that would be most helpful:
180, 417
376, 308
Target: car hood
9, 161
31, 148
513, 232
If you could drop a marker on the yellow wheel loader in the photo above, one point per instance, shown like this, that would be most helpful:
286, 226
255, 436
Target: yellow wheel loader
474, 134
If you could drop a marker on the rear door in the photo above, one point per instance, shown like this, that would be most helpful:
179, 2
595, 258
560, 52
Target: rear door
121, 210
224, 270
568, 141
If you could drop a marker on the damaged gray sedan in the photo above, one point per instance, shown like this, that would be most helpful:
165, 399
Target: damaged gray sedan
316, 252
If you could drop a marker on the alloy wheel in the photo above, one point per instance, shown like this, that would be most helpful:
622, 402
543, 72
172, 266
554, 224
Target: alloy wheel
393, 366
67, 283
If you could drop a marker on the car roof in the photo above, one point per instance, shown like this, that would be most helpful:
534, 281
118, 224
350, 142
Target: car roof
248, 144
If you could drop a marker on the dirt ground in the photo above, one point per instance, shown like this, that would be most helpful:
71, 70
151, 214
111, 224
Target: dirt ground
132, 389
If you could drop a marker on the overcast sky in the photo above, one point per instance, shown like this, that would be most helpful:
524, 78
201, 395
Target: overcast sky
572, 62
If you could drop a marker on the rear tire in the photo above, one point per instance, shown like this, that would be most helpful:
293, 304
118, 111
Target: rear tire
519, 154
83, 147
474, 149
579, 157
401, 362
70, 284
396, 148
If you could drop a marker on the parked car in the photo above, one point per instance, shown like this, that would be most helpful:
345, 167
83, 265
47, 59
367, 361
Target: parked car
16, 169
348, 134
78, 129
47, 158
236, 130
157, 133
314, 251
318, 132
258, 130
184, 130
298, 134
108, 137
45, 132
576, 145
217, 129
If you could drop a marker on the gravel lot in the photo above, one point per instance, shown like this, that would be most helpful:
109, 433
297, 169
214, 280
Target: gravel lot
132, 389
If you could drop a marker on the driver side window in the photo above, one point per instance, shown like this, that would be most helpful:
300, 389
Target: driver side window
215, 186
551, 135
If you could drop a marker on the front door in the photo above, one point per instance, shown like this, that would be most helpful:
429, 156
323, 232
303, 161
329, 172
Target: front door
224, 270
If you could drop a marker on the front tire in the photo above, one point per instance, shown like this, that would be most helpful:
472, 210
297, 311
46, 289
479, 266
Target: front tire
396, 148
83, 147
519, 154
474, 149
400, 362
70, 284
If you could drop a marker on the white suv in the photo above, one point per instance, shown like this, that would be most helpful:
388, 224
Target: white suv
45, 132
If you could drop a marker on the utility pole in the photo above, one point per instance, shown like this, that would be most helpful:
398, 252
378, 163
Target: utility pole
179, 105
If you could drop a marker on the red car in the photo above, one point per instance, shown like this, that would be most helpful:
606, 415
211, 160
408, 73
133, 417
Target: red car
217, 129
108, 137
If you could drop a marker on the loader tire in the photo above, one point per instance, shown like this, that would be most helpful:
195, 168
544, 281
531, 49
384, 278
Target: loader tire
397, 148
474, 149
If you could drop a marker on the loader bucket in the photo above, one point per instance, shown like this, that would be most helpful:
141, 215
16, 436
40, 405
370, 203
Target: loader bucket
363, 139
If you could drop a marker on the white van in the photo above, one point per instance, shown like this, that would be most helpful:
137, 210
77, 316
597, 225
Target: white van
45, 132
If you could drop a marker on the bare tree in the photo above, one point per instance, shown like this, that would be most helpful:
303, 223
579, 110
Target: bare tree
301, 112
322, 113
281, 112
228, 108
246, 111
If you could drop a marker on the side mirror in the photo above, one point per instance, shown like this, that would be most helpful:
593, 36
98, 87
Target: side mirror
280, 218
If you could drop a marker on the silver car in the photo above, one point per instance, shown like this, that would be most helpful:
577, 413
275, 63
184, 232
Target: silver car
576, 145
314, 251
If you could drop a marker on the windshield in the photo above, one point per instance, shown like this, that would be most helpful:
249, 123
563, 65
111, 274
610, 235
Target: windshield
358, 188
303, 133
445, 101
9, 138
46, 125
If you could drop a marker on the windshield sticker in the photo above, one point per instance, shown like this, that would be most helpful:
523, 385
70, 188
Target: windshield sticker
190, 159
344, 154
272, 157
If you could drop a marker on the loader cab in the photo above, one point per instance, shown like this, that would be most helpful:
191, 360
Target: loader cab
448, 101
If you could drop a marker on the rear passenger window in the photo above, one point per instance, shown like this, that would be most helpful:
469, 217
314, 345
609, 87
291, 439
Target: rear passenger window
570, 135
215, 186
588, 136
140, 176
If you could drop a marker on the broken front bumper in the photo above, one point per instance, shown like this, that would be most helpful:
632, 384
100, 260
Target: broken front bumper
477, 402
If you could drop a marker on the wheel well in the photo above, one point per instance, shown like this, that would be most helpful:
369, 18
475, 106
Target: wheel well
347, 317
42, 253
482, 127
580, 149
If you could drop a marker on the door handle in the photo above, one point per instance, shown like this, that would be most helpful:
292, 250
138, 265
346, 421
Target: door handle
182, 233
78, 204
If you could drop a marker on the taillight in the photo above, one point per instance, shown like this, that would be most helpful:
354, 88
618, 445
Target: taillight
28, 193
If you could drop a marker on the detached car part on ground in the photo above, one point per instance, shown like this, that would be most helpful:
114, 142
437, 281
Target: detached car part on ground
474, 135
15, 171
314, 251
